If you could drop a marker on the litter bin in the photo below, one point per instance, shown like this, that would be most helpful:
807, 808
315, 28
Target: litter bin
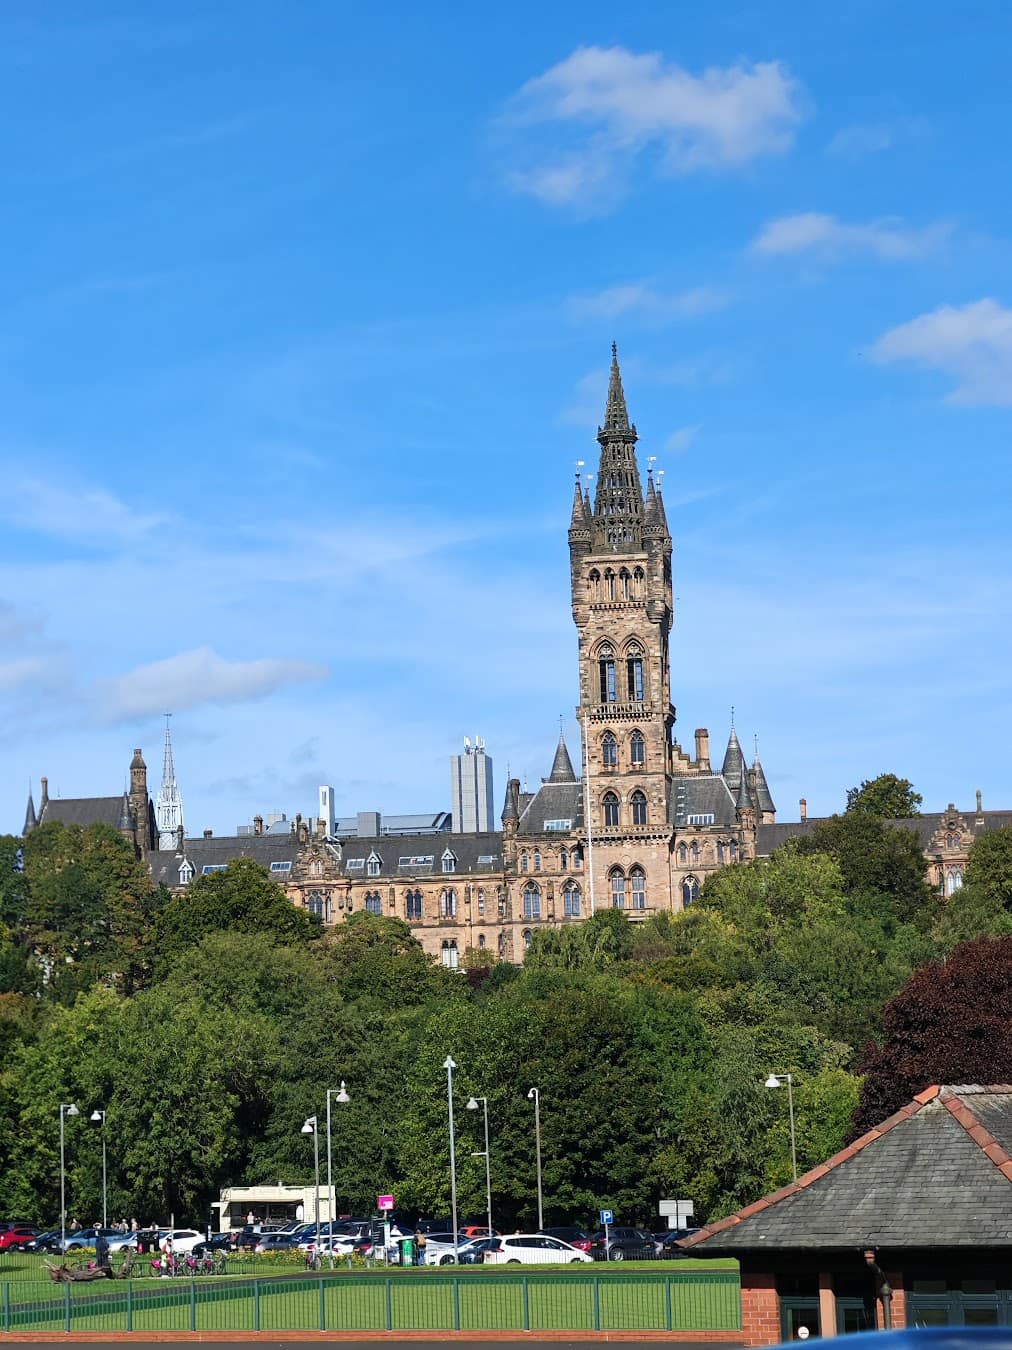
407, 1246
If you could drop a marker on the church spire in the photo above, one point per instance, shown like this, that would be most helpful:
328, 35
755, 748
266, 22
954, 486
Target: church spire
30, 818
169, 803
618, 505
562, 765
616, 415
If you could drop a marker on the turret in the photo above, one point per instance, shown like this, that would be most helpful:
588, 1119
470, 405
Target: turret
562, 765
511, 808
30, 817
140, 804
733, 769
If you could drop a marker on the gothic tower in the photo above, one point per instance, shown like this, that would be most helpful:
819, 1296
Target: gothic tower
620, 559
140, 804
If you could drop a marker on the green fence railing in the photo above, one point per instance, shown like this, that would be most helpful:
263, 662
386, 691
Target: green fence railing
482, 1301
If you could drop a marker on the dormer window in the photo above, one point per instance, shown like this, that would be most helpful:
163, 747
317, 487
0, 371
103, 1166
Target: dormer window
185, 872
373, 865
449, 862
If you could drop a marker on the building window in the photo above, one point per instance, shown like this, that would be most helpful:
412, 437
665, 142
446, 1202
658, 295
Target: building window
450, 955
481, 942
695, 853
617, 889
734, 850
532, 901
186, 874
571, 900
639, 808
721, 852
318, 903
639, 888
626, 582
316, 868
610, 808
373, 904
563, 864
609, 584
634, 670
523, 860
683, 854
481, 904
448, 904
638, 582
953, 880
637, 749
690, 890
606, 672
413, 905
449, 862
952, 841
595, 584
527, 938
609, 751
537, 860
576, 857
373, 865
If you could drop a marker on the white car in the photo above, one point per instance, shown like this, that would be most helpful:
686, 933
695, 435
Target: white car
183, 1239
439, 1248
533, 1249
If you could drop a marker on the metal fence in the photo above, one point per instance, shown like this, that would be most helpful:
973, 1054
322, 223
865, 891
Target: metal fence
482, 1301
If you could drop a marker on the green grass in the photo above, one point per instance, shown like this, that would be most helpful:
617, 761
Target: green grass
473, 1300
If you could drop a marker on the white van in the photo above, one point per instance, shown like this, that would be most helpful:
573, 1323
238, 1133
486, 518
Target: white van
533, 1249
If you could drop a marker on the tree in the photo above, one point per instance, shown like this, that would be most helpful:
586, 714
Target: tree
888, 797
989, 866
375, 956
950, 1023
883, 866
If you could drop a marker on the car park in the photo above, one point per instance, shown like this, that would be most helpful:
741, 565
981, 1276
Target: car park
578, 1238
533, 1249
627, 1244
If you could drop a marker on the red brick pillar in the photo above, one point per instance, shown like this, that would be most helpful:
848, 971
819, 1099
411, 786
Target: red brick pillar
760, 1309
899, 1301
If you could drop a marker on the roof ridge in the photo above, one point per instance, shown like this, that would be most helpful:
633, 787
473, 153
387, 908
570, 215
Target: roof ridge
957, 1107
809, 1178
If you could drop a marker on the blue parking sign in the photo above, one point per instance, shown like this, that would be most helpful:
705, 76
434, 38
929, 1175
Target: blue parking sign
606, 1217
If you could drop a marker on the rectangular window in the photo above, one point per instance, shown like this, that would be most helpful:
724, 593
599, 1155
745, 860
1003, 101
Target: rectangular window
419, 860
213, 867
706, 818
557, 825
354, 865
281, 866
486, 859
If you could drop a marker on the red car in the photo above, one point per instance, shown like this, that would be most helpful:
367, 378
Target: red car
14, 1237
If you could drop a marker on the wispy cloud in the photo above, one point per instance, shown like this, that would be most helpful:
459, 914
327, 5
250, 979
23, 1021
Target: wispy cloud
196, 678
679, 441
872, 138
828, 236
972, 343
641, 300
82, 513
611, 106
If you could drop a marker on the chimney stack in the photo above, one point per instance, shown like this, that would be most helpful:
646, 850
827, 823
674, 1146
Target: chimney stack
179, 838
703, 749
208, 834
980, 808
258, 824
804, 810
45, 791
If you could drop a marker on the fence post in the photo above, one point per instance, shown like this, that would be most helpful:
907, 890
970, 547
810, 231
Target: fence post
525, 1296
390, 1305
323, 1307
130, 1305
456, 1304
193, 1304
667, 1303
66, 1307
7, 1306
256, 1305
597, 1304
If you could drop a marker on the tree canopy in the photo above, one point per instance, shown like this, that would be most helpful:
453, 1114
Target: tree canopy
888, 797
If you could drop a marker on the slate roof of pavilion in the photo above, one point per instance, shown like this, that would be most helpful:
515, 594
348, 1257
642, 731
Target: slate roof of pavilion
938, 1173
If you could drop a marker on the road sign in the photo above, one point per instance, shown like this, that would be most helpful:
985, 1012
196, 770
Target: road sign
606, 1217
384, 1202
677, 1212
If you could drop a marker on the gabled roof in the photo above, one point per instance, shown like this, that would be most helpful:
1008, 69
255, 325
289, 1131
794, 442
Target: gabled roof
82, 811
938, 1173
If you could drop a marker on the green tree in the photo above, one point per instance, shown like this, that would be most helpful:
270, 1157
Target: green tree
882, 866
888, 797
989, 866
371, 955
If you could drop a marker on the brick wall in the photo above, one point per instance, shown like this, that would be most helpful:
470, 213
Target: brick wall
760, 1309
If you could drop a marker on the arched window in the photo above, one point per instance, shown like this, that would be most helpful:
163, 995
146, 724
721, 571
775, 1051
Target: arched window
639, 888
695, 852
690, 890
609, 584
449, 954
524, 863
316, 868
721, 853
481, 941
537, 860
576, 857
639, 808
571, 900
562, 860
502, 944
626, 583
527, 938
413, 905
481, 903
734, 850
952, 841
318, 903
373, 903
953, 880
373, 865
634, 673
637, 749
606, 673
532, 901
448, 904
609, 751
638, 582
683, 854
595, 584
610, 802
617, 881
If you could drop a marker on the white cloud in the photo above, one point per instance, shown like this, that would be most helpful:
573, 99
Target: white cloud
679, 441
972, 343
871, 138
198, 677
79, 513
814, 232
618, 104
638, 298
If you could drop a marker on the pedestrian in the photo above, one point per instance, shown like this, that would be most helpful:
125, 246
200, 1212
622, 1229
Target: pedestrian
102, 1251
168, 1259
133, 1225
75, 1226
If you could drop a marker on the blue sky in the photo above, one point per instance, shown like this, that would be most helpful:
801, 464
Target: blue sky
307, 312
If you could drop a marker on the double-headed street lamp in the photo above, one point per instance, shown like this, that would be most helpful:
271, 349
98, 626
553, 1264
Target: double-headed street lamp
310, 1127
449, 1066
98, 1118
535, 1096
776, 1080
340, 1095
66, 1109
472, 1105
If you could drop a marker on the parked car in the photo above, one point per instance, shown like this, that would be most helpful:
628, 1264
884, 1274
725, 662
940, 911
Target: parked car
667, 1242
473, 1253
439, 1248
533, 1249
183, 1239
428, 1226
627, 1244
277, 1242
17, 1237
85, 1237
478, 1230
578, 1238
42, 1241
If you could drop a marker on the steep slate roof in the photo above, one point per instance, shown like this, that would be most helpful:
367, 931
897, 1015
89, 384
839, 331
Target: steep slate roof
924, 826
552, 801
562, 765
707, 794
466, 848
82, 811
764, 799
219, 851
935, 1174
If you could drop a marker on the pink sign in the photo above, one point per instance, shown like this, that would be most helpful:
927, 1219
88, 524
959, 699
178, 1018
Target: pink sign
384, 1202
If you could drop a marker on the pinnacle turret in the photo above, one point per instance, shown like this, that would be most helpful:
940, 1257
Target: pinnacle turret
761, 790
562, 765
31, 820
733, 769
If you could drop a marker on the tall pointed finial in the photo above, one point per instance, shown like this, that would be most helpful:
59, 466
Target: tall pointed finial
616, 416
755, 742
732, 716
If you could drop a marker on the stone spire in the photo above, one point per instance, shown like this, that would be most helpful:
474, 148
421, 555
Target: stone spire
618, 504
126, 820
511, 806
562, 765
31, 819
168, 803
761, 794
733, 769
580, 519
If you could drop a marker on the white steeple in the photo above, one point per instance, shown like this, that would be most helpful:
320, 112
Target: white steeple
168, 803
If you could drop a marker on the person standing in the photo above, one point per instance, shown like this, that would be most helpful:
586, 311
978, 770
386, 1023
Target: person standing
102, 1251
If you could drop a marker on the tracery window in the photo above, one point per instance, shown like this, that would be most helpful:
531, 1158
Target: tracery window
634, 672
532, 901
639, 888
447, 904
537, 860
449, 954
637, 749
373, 903
606, 672
639, 808
611, 810
617, 881
609, 751
413, 905
571, 900
690, 890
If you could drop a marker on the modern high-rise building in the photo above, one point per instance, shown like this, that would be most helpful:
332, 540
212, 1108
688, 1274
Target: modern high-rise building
471, 794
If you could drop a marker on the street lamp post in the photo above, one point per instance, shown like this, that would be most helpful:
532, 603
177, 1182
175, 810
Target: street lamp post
66, 1109
535, 1096
340, 1095
449, 1066
98, 1118
776, 1080
310, 1127
473, 1106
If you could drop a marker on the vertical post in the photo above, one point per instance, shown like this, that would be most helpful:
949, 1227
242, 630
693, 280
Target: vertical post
7, 1306
389, 1304
330, 1188
526, 1297
66, 1307
488, 1170
456, 1303
130, 1306
667, 1303
586, 809
323, 1307
449, 1066
256, 1305
105, 1186
597, 1304
536, 1094
193, 1304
